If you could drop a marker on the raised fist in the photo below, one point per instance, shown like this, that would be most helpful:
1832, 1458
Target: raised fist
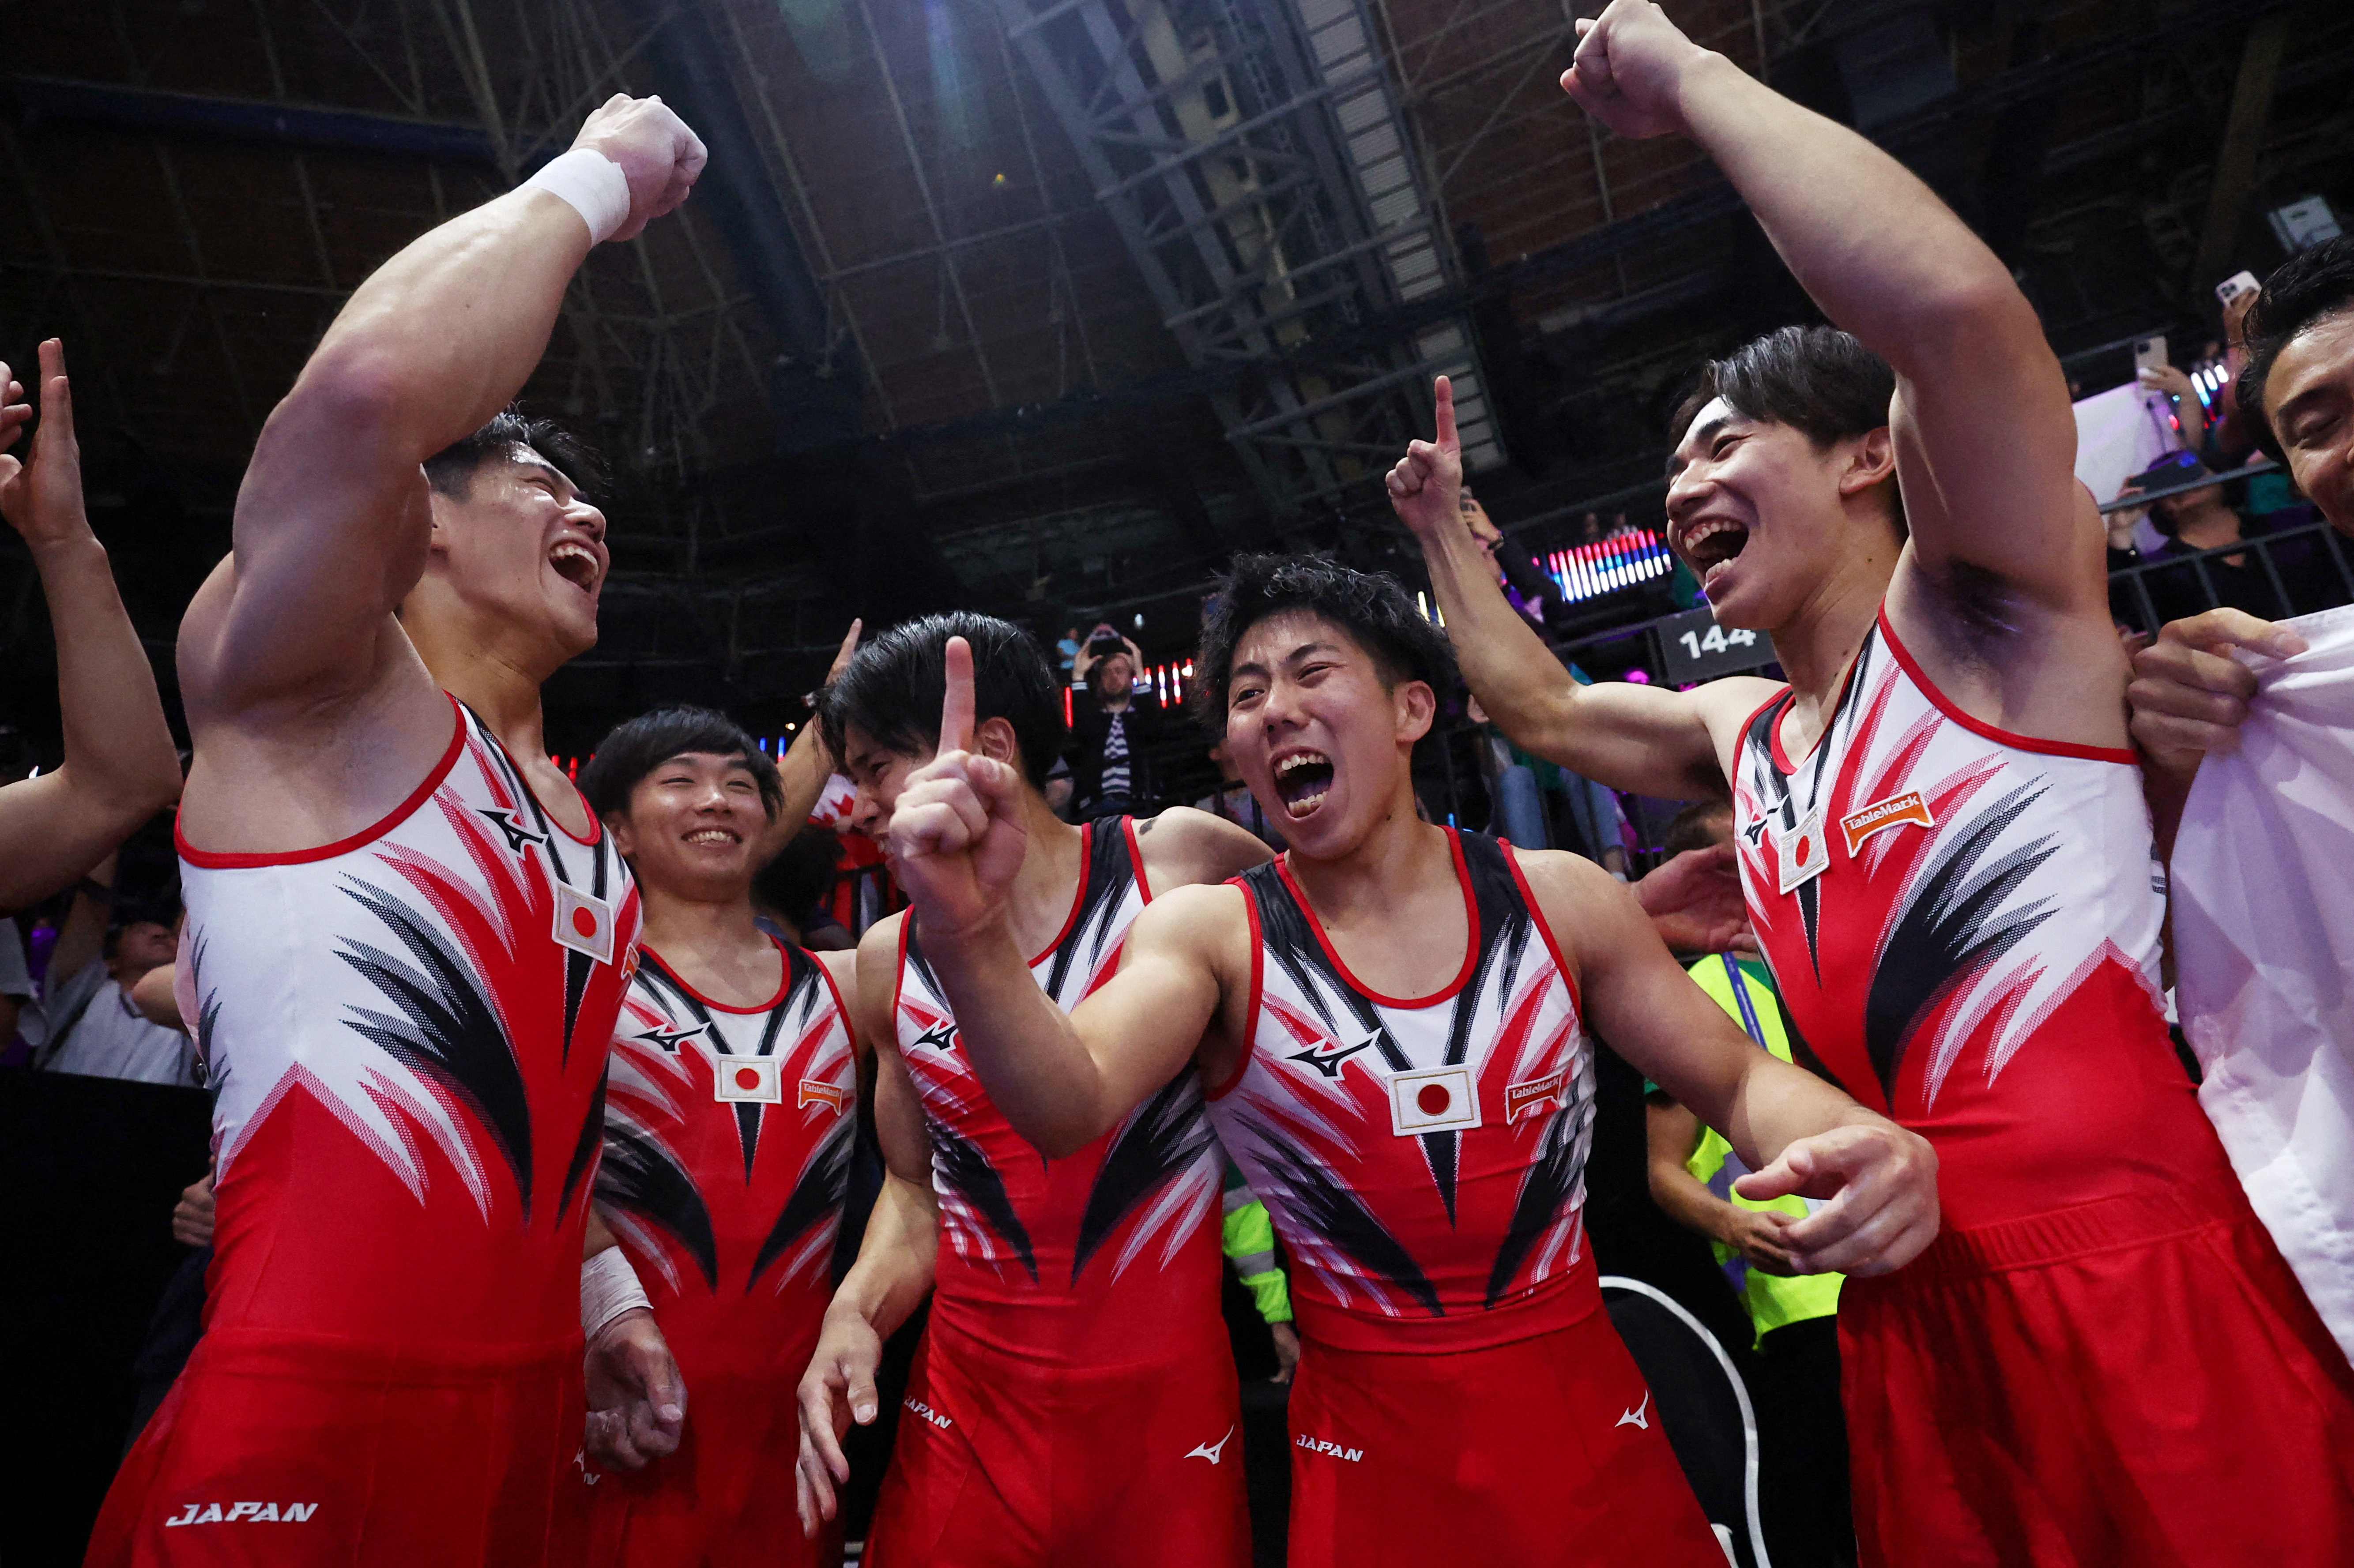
1628, 68
653, 148
1427, 486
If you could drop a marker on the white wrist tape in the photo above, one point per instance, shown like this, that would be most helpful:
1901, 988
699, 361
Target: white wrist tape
609, 1287
593, 185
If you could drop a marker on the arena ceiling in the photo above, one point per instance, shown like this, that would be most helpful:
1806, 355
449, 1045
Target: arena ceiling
933, 330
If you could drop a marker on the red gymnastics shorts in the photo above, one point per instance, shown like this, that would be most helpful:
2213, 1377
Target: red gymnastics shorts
1540, 1452
2135, 1381
294, 1450
1002, 1462
724, 1500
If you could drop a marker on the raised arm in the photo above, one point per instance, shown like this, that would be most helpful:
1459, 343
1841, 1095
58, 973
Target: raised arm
806, 765
1986, 441
956, 841
896, 1256
1796, 1133
119, 766
1643, 738
332, 526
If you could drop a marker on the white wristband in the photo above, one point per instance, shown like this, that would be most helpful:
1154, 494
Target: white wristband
594, 187
609, 1287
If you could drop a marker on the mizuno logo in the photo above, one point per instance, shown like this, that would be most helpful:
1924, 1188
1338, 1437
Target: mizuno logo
929, 1414
1211, 1451
1755, 832
517, 834
1638, 1416
669, 1040
246, 1513
1328, 1057
940, 1037
1318, 1446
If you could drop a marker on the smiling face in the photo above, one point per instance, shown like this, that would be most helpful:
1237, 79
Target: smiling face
1325, 748
1761, 517
693, 826
2309, 403
522, 547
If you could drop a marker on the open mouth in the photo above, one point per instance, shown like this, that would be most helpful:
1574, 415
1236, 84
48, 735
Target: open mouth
1713, 543
1301, 780
576, 564
715, 836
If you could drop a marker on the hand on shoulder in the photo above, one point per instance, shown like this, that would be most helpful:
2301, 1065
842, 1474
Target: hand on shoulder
1183, 845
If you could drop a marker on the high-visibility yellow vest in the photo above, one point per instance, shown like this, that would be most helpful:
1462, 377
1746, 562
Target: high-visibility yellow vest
1744, 989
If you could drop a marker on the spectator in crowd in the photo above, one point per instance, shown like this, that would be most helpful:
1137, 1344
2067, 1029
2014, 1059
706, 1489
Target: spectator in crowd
1067, 651
1795, 1374
2189, 694
1530, 591
1111, 774
1233, 801
2193, 521
107, 946
119, 766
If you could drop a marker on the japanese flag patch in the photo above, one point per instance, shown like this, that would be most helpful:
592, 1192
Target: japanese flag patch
1804, 856
584, 923
1433, 1099
739, 1078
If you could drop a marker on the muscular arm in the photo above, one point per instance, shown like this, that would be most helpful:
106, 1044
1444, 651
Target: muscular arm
1062, 1081
1672, 1133
896, 1257
119, 766
1643, 738
1986, 441
332, 525
1183, 846
1796, 1132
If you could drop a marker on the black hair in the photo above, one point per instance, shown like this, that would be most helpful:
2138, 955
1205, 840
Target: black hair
894, 684
1821, 382
2309, 286
1692, 830
1372, 608
635, 747
451, 472
799, 876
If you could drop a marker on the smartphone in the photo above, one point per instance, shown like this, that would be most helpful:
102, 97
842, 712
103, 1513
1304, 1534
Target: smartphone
2238, 284
2149, 353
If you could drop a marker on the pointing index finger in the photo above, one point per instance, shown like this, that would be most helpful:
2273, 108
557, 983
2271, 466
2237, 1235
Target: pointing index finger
956, 705
1442, 392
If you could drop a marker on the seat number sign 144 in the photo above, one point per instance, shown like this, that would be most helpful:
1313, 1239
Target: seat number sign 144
1694, 647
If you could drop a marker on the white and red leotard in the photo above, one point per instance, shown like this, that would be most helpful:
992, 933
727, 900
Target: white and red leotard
407, 1032
1077, 1355
2102, 1358
727, 1134
1424, 1161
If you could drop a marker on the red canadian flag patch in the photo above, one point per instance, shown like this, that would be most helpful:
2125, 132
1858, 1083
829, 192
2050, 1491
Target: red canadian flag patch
1882, 815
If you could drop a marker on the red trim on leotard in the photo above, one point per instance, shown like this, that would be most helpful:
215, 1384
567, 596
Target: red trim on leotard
1136, 857
1979, 726
1544, 929
784, 981
1250, 1014
1470, 934
218, 860
1078, 894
